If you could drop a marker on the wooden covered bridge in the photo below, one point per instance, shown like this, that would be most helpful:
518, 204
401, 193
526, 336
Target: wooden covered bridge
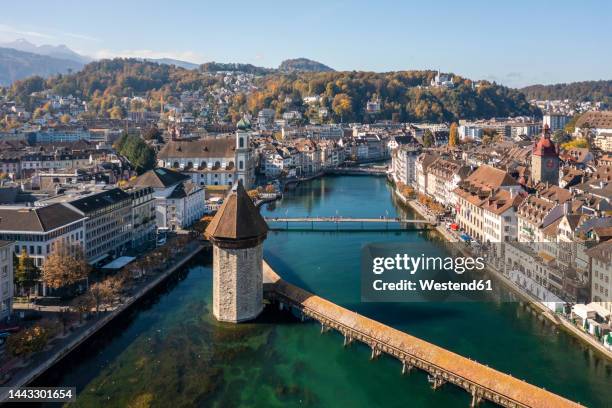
443, 366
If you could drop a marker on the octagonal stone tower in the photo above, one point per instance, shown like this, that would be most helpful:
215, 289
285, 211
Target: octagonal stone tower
237, 233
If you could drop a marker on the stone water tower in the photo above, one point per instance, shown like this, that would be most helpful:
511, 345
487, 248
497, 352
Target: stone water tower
237, 233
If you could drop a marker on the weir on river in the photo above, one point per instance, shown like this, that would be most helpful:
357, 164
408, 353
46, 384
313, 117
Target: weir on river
443, 366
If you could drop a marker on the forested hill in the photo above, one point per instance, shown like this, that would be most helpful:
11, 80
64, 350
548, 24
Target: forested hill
404, 95
303, 64
593, 91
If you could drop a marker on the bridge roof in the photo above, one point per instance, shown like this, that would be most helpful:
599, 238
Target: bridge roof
484, 376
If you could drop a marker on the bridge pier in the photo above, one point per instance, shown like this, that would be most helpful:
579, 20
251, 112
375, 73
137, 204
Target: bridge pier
324, 328
375, 353
406, 368
476, 399
437, 382
347, 340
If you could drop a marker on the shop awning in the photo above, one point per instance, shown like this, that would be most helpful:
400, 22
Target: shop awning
454, 227
465, 237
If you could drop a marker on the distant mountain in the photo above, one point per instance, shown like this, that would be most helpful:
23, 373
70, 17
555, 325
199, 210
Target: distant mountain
170, 61
595, 91
303, 65
18, 65
57, 51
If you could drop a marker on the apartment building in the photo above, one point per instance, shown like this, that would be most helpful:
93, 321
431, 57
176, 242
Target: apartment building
423, 162
35, 230
601, 272
178, 201
486, 203
443, 176
143, 216
403, 164
108, 228
6, 279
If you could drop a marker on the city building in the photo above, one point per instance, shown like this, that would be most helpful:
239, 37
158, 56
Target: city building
486, 203
443, 176
403, 164
601, 272
143, 216
179, 202
108, 227
6, 279
35, 230
555, 121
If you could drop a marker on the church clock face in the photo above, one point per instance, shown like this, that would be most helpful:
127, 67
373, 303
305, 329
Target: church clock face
550, 163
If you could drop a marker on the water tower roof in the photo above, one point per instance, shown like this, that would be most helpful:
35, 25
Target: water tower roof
237, 219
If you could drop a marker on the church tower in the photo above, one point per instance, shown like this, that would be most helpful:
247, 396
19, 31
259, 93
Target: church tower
244, 170
545, 160
237, 233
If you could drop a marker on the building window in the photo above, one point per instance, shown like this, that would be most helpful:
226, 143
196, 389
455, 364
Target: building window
241, 165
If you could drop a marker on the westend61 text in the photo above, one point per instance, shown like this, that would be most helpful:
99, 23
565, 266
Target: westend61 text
432, 285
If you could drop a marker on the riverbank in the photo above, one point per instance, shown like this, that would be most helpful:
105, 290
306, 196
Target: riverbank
41, 363
529, 300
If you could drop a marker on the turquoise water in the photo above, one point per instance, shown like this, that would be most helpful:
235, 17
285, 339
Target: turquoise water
170, 352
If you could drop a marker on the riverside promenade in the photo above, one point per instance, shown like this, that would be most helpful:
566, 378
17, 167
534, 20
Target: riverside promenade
442, 366
45, 360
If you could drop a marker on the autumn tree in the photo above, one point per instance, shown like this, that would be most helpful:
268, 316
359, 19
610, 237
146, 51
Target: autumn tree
101, 292
342, 105
115, 112
65, 265
453, 136
28, 341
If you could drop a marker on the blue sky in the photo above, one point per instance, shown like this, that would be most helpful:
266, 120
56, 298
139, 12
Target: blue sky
513, 42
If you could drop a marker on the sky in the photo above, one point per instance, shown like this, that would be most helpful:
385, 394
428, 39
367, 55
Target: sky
513, 42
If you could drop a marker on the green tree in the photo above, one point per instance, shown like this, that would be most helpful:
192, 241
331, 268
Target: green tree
428, 138
139, 154
453, 137
26, 273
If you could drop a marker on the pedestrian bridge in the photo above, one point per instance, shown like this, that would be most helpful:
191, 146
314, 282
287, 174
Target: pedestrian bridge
341, 223
442, 366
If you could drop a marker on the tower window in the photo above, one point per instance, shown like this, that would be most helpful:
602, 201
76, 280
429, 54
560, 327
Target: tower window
241, 142
241, 165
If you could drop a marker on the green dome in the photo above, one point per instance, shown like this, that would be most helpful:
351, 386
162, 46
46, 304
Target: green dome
243, 124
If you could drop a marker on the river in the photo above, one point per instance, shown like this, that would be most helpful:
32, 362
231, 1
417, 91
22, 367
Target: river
169, 350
